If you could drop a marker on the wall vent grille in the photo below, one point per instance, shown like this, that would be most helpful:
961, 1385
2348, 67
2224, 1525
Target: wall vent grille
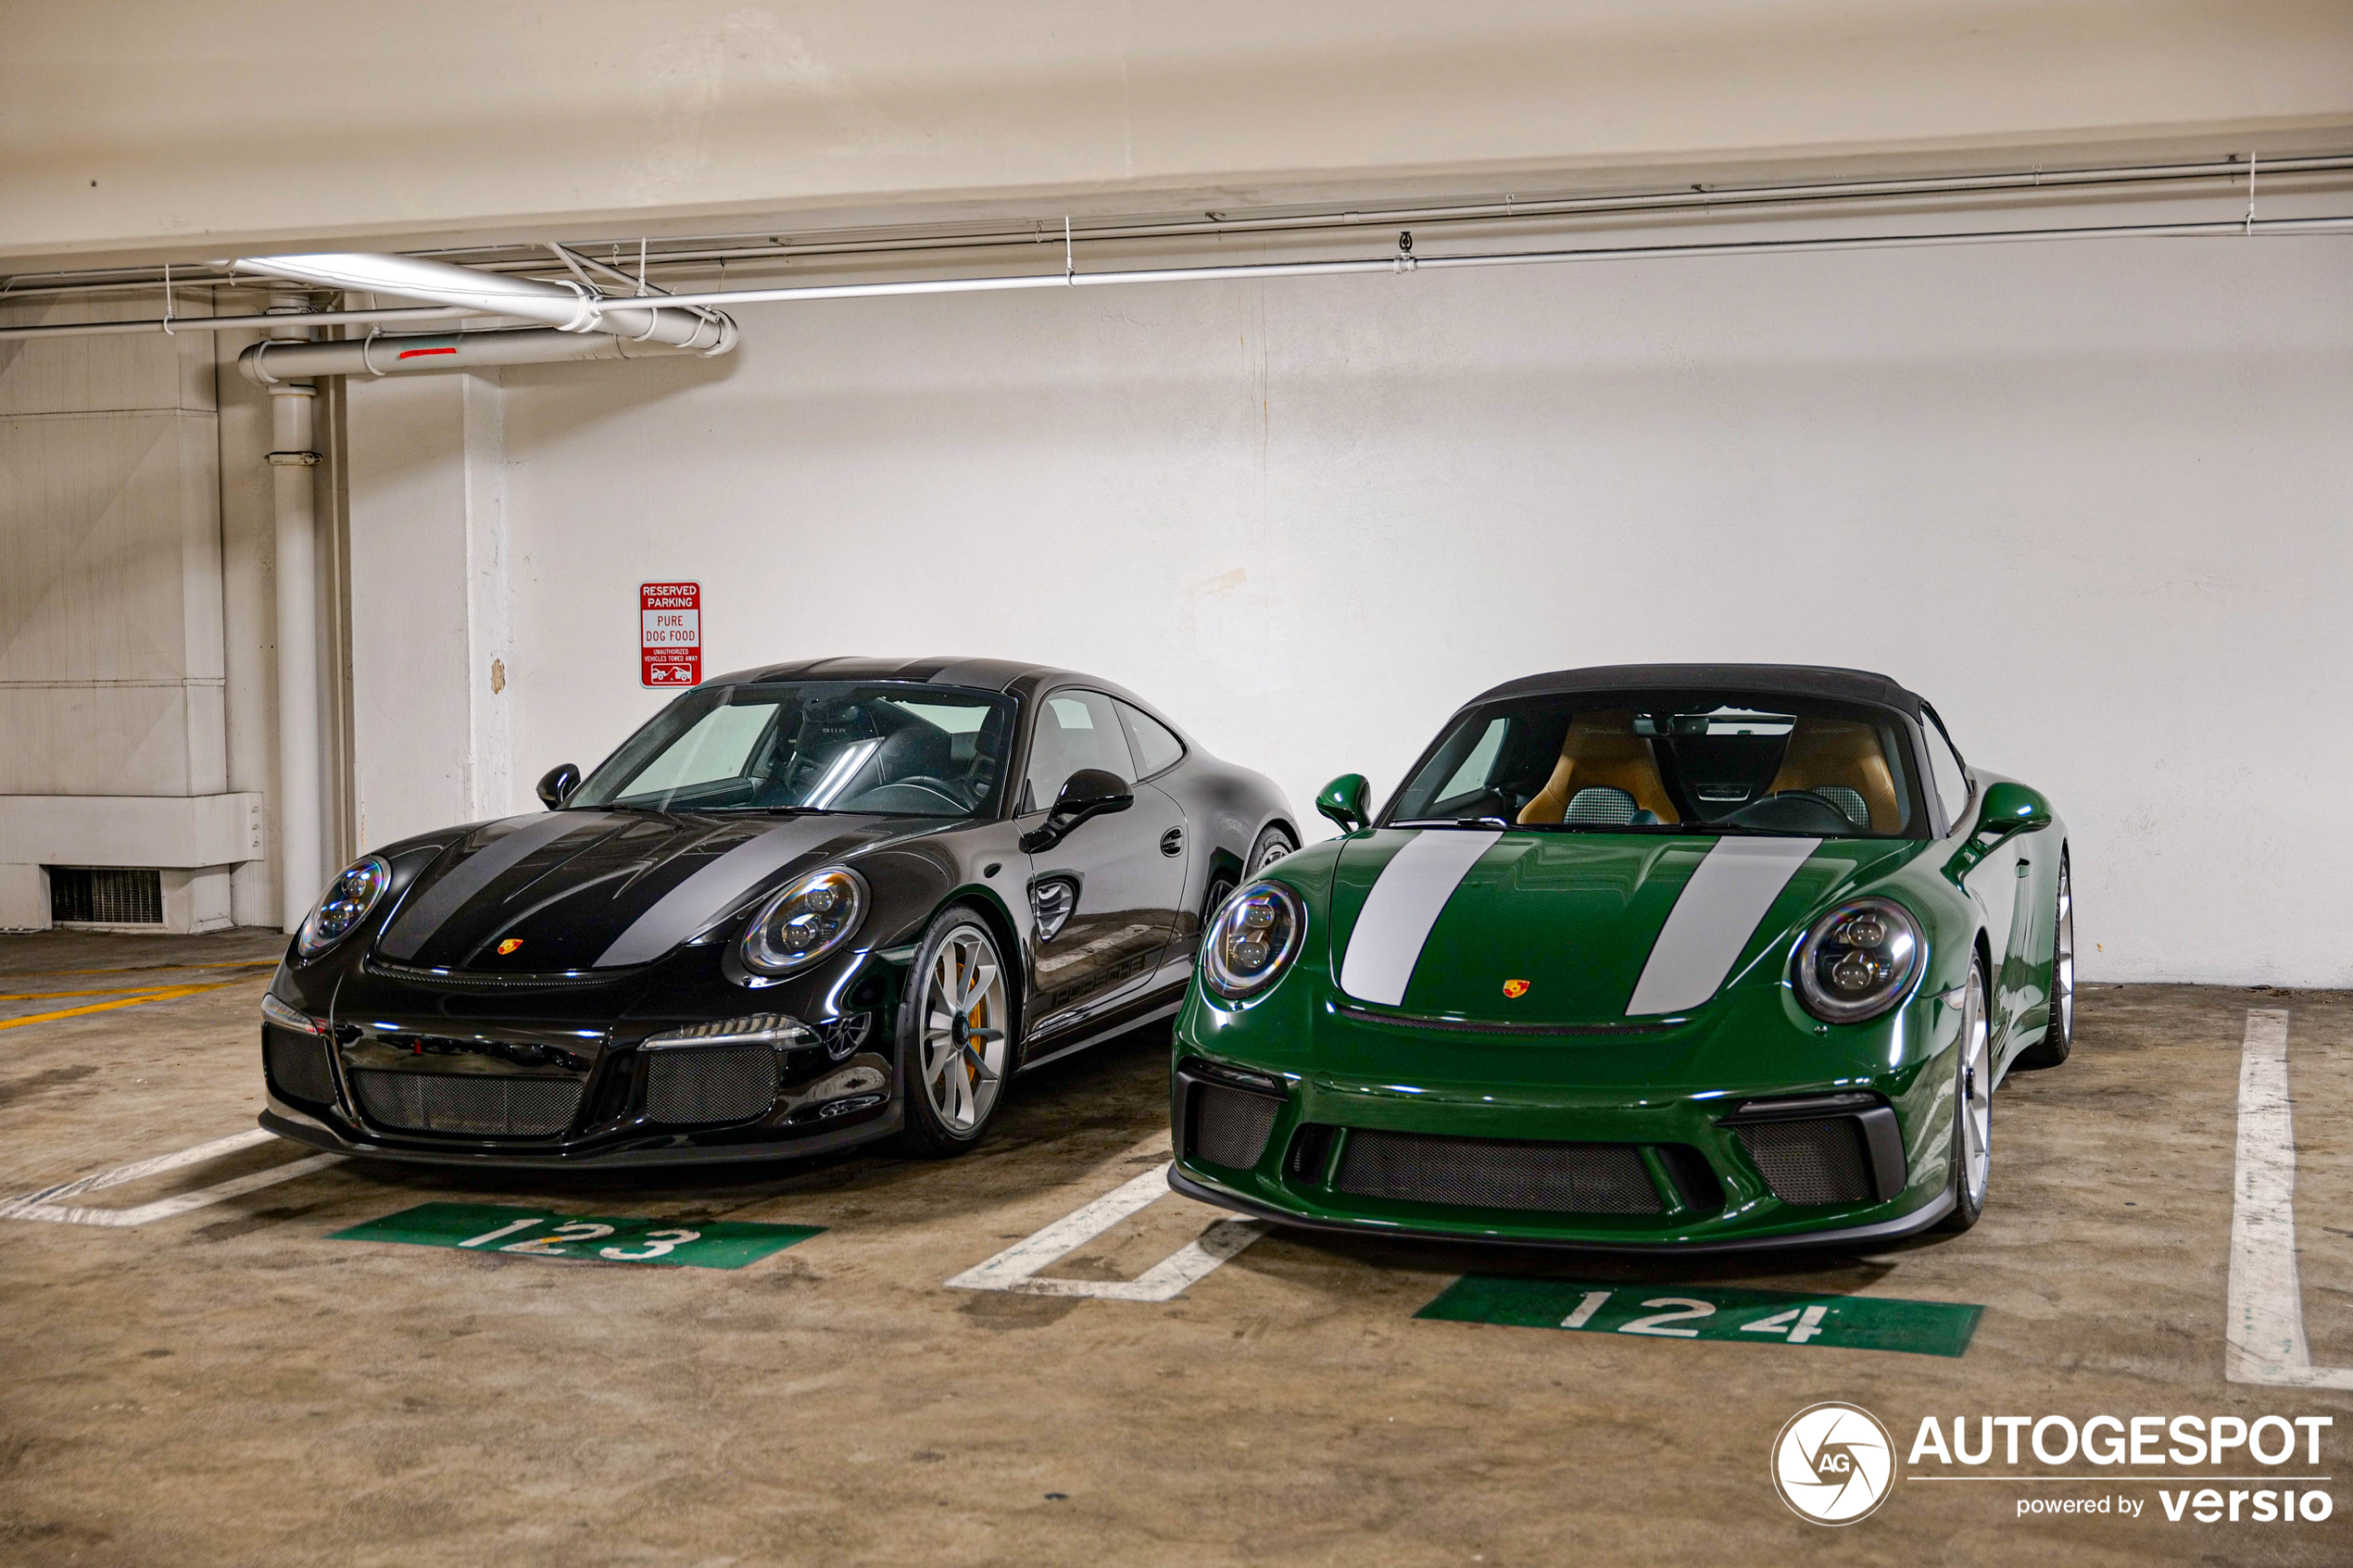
84, 896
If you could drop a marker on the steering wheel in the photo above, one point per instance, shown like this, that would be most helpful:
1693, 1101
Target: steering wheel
956, 793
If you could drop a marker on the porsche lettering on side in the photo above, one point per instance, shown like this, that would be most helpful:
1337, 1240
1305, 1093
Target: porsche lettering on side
1651, 956
804, 907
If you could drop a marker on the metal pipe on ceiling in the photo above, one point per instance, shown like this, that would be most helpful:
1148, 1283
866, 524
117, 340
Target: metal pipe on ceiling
1406, 261
233, 323
568, 307
270, 363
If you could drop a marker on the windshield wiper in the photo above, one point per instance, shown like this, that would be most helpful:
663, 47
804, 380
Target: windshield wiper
1452, 822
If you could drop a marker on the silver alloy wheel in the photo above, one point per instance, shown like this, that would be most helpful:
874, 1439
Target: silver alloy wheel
2063, 963
1273, 848
964, 1030
1977, 1093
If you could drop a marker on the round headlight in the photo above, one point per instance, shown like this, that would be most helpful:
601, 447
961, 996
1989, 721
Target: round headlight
1857, 960
804, 923
349, 900
1252, 939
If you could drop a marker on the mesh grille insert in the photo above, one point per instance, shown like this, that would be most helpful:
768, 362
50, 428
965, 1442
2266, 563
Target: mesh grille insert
1230, 1125
104, 897
1809, 1162
298, 1066
733, 1085
429, 1102
1555, 1178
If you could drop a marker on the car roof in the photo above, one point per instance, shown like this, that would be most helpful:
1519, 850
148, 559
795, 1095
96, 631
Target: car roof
1764, 680
1017, 676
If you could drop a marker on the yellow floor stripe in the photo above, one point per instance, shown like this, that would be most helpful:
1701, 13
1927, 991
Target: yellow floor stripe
105, 991
165, 996
137, 968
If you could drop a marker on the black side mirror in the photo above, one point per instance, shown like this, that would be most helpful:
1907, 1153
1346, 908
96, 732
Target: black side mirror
557, 784
1090, 792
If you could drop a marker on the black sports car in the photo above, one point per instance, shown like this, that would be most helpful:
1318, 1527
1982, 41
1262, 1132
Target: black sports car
804, 907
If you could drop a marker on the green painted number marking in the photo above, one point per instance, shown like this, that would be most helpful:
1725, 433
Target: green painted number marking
1681, 1311
492, 1227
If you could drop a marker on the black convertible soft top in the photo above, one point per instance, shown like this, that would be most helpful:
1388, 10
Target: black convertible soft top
1764, 680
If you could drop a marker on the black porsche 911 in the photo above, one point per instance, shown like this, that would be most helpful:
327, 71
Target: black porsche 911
802, 908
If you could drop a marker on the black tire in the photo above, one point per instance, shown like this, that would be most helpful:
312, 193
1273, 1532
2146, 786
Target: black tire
952, 1080
2058, 1040
1972, 1089
1270, 847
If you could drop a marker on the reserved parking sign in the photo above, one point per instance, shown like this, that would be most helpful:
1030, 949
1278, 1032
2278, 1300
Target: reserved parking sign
669, 616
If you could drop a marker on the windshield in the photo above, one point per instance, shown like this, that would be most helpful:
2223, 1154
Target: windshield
1654, 763
891, 750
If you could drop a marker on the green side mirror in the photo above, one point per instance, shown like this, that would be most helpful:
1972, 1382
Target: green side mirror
2012, 808
1348, 801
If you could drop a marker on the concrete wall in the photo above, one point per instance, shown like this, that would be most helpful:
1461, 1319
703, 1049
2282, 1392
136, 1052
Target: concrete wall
140, 126
2091, 498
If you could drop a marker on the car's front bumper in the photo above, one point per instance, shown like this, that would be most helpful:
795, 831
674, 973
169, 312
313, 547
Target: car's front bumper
1640, 1144
663, 1149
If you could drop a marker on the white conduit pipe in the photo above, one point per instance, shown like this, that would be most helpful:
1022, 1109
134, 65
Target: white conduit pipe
292, 425
271, 362
568, 307
1404, 262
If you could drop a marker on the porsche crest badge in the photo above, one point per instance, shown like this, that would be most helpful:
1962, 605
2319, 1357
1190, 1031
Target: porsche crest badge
1515, 989
512, 943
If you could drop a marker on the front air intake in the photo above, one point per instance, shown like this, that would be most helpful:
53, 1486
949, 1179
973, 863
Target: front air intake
688, 1088
478, 1104
298, 1066
1553, 1178
1230, 1125
1810, 1164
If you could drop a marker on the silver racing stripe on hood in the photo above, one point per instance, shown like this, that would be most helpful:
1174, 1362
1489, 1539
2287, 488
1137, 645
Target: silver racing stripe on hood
1730, 889
1406, 900
687, 908
408, 934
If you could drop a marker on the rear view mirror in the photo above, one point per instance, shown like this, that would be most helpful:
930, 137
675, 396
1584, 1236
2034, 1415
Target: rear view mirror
1347, 801
557, 784
1090, 792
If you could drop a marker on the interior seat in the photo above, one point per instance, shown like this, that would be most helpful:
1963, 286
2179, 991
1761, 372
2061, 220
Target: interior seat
1602, 750
1838, 757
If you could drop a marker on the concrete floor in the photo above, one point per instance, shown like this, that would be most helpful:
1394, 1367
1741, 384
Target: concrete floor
229, 1387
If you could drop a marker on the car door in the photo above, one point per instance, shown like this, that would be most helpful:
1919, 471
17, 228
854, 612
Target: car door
1993, 881
1104, 897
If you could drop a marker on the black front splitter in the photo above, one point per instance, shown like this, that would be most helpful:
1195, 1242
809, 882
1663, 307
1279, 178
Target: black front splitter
320, 1136
1853, 1235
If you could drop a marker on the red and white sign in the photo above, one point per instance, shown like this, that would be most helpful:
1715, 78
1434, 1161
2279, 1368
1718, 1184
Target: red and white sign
671, 619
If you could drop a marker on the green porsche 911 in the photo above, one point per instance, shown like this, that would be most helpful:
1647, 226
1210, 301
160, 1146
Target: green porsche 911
1650, 956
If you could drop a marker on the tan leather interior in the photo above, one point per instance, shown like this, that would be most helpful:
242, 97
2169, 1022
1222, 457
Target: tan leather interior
1846, 754
1602, 750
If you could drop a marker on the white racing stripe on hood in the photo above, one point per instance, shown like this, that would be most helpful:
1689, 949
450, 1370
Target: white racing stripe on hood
1404, 903
1730, 889
418, 922
682, 911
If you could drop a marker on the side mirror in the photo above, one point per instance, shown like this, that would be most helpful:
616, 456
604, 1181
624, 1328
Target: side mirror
557, 784
1090, 792
1347, 801
2012, 808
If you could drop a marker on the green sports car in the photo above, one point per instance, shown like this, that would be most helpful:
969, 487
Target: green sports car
1649, 956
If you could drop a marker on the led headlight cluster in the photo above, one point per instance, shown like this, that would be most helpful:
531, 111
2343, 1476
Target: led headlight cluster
349, 900
1857, 960
1252, 939
804, 923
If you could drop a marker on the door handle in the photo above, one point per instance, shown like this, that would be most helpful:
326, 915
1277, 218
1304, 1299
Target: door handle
2022, 868
1173, 842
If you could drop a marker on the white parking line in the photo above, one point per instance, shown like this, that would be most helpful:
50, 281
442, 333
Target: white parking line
1017, 1267
2264, 1338
45, 1204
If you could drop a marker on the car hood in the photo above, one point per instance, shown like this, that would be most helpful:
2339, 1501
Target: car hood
1585, 928
589, 889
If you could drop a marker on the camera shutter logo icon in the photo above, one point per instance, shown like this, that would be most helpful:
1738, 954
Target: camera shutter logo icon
1834, 1464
